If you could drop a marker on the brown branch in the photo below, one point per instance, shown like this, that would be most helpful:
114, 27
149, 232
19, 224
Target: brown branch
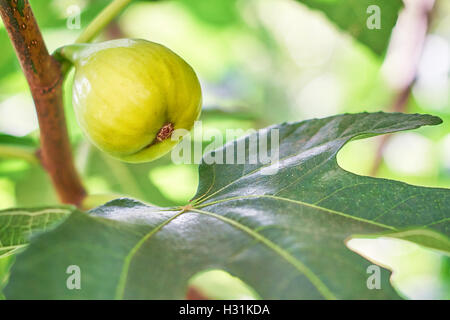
44, 77
399, 105
410, 62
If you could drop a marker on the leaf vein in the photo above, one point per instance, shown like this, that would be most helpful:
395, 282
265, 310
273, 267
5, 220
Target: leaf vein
312, 277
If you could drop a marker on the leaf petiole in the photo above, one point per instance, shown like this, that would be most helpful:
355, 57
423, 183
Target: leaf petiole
102, 20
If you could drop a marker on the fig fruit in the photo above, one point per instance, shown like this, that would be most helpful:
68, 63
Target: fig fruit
130, 95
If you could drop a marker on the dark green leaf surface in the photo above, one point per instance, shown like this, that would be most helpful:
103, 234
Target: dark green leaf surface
5, 265
423, 236
9, 140
18, 147
351, 16
282, 234
17, 225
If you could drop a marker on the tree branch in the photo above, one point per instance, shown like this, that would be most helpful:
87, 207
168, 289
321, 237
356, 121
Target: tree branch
407, 42
44, 77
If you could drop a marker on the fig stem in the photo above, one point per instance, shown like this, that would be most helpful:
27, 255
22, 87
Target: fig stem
67, 56
68, 53
102, 20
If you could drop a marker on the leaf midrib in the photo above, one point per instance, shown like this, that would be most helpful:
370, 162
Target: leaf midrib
312, 277
347, 137
321, 287
10, 250
35, 213
120, 290
205, 197
299, 203
297, 264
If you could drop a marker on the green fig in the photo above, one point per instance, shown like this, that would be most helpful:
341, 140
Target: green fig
130, 95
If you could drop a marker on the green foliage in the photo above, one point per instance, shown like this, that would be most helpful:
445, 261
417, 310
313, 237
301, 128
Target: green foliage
351, 16
18, 225
19, 163
16, 228
18, 147
425, 237
283, 234
17, 141
5, 265
47, 16
216, 12
445, 274
8, 61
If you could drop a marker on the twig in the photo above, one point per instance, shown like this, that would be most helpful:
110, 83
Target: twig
44, 77
409, 59
102, 20
17, 152
399, 105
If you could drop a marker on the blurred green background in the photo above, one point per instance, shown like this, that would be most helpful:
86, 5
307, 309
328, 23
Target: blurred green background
260, 62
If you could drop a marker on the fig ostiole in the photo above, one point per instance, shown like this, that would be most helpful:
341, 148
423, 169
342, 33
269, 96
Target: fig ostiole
129, 96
